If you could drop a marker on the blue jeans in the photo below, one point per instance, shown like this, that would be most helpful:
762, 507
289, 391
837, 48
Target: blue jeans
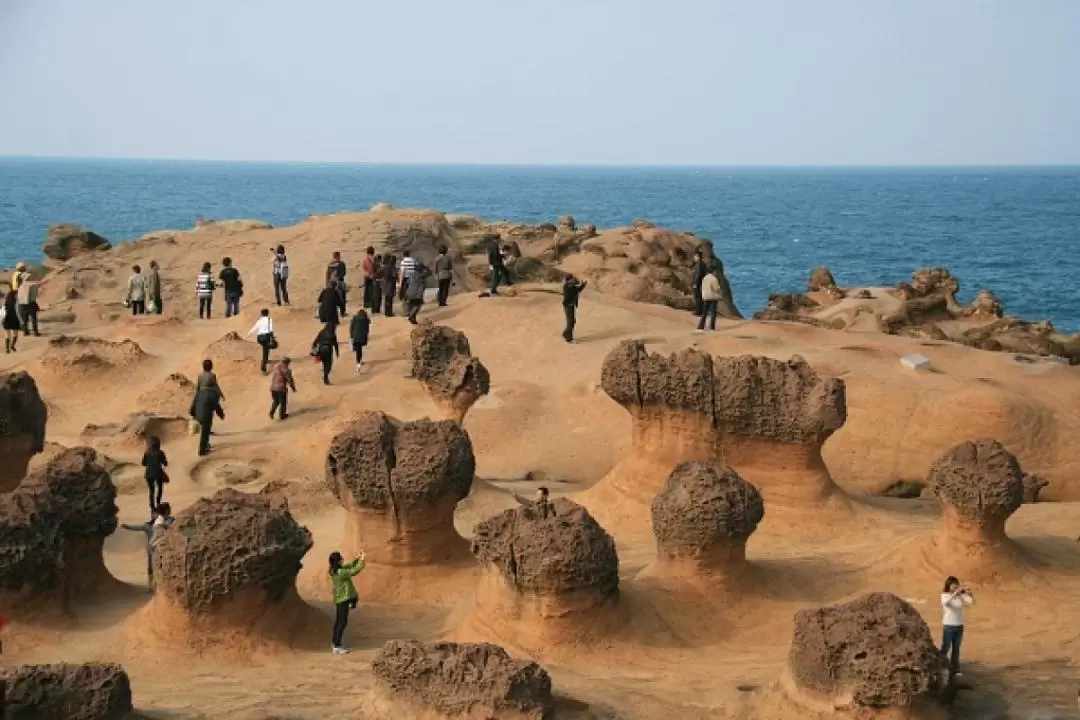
232, 304
951, 635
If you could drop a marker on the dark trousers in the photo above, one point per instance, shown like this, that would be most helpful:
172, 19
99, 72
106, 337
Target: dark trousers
232, 304
369, 291
708, 310
205, 304
341, 621
327, 359
28, 317
951, 635
341, 294
157, 305
444, 291
264, 343
498, 276
281, 289
156, 487
388, 298
138, 307
571, 320
359, 350
204, 434
402, 288
279, 399
698, 302
376, 297
414, 309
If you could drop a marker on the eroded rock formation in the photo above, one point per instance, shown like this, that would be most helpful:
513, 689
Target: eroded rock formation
821, 278
400, 483
875, 652
72, 692
551, 573
1033, 485
64, 241
462, 680
228, 566
766, 418
23, 416
76, 355
444, 364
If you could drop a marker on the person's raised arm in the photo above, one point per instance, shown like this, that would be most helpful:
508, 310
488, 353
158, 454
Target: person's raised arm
354, 567
253, 328
142, 527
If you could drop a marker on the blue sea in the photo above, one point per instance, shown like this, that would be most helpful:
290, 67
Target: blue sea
1013, 230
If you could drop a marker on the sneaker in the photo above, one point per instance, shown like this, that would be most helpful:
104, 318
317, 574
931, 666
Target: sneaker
699, 332
341, 651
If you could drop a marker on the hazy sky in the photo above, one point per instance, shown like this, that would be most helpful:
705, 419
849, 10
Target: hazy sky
544, 81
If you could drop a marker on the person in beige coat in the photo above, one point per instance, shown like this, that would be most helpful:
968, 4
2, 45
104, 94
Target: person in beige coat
710, 297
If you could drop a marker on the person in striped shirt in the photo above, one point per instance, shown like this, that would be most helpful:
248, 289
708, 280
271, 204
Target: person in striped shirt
407, 268
204, 289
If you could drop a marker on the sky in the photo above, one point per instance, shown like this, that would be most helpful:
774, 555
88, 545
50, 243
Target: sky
624, 82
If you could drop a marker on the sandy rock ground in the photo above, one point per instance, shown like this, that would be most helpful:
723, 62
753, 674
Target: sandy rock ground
547, 421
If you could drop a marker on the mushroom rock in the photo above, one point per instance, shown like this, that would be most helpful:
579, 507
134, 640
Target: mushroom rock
702, 520
23, 416
935, 281
65, 241
820, 279
765, 418
443, 363
551, 575
866, 657
73, 692
986, 305
32, 571
225, 575
459, 680
567, 224
979, 484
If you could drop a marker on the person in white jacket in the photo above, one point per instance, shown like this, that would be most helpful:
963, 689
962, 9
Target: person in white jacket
263, 330
710, 297
954, 598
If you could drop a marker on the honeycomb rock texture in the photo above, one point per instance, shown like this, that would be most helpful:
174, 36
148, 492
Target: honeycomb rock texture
702, 507
76, 491
23, 416
820, 279
457, 679
444, 364
384, 463
230, 542
876, 649
980, 479
556, 552
71, 692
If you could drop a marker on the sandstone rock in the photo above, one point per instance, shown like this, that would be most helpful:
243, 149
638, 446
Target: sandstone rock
382, 207
226, 545
23, 416
63, 242
935, 281
81, 356
916, 312
820, 279
706, 514
400, 483
873, 652
443, 363
979, 484
1033, 485
464, 680
567, 224
986, 305
71, 692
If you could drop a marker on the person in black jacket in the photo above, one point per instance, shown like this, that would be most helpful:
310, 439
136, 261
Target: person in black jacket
329, 305
335, 278
155, 462
234, 287
359, 330
207, 405
325, 347
377, 286
389, 283
571, 289
498, 268
700, 270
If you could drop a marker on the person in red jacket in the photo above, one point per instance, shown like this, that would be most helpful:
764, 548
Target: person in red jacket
281, 381
371, 274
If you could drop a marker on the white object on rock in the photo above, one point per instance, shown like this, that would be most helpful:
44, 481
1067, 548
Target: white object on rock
915, 362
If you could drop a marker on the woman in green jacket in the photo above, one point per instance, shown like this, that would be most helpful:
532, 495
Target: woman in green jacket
344, 596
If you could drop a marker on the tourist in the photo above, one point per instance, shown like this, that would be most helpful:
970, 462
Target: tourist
153, 289
698, 273
953, 600
233, 287
325, 347
345, 597
389, 283
204, 290
329, 304
571, 289
414, 295
710, 295
136, 291
444, 274
496, 265
28, 305
541, 503
17, 275
359, 329
281, 381
12, 324
406, 271
281, 275
207, 404
377, 287
206, 379
509, 258
155, 462
335, 278
160, 520
263, 330
370, 271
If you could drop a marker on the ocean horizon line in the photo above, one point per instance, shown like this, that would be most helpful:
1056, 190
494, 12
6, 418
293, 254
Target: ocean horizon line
548, 166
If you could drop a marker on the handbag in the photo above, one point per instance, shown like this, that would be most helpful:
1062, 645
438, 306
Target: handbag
151, 307
271, 342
